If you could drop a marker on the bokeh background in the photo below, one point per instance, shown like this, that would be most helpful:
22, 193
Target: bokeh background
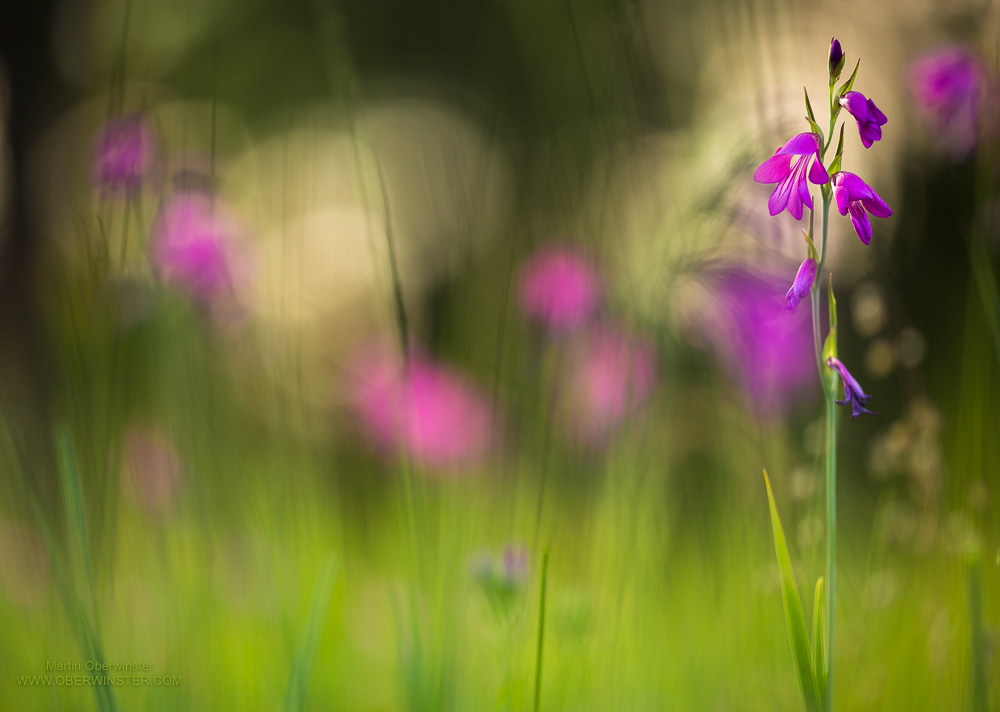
287, 412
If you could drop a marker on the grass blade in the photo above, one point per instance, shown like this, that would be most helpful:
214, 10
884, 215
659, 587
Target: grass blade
793, 609
305, 652
541, 630
819, 637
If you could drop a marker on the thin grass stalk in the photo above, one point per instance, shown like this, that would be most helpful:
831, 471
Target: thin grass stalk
541, 631
977, 634
305, 652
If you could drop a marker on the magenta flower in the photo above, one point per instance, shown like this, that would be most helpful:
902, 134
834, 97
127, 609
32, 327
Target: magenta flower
422, 408
124, 151
869, 117
954, 90
853, 394
855, 196
803, 283
769, 353
560, 288
197, 248
609, 375
789, 167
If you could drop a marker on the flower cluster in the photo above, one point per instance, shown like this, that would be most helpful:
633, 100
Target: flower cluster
607, 373
801, 162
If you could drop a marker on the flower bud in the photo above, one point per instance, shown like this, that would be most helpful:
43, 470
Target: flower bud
837, 59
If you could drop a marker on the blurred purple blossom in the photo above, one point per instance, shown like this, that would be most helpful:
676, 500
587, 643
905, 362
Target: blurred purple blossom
124, 152
609, 375
768, 351
869, 117
855, 196
853, 395
152, 468
197, 246
802, 285
422, 408
789, 167
954, 90
559, 288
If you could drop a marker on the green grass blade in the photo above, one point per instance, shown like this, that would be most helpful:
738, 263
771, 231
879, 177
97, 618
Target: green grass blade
793, 609
819, 637
83, 602
305, 652
541, 630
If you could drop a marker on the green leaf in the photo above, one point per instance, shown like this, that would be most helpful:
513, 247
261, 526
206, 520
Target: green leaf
830, 345
305, 652
848, 85
819, 637
811, 246
809, 110
835, 164
793, 609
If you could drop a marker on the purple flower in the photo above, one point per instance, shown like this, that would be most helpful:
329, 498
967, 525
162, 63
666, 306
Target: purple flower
836, 58
422, 408
197, 248
803, 283
123, 153
768, 352
855, 196
954, 90
869, 117
852, 389
559, 288
609, 375
789, 167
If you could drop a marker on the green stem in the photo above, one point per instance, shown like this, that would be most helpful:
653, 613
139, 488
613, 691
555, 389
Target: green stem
541, 630
829, 396
980, 687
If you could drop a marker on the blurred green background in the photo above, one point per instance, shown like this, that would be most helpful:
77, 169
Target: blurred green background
192, 489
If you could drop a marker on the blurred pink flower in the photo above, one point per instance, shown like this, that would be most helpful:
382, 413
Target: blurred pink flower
559, 288
151, 468
609, 375
424, 409
955, 91
197, 247
124, 152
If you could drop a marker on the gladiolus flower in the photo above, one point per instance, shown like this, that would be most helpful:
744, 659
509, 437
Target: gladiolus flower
196, 248
953, 88
123, 153
803, 283
855, 196
853, 394
789, 167
559, 288
421, 408
869, 117
608, 377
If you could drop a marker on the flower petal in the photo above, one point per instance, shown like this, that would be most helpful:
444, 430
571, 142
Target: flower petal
802, 144
876, 113
774, 170
818, 174
876, 206
856, 105
859, 219
779, 198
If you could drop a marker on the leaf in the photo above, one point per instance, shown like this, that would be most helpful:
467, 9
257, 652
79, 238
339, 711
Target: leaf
819, 637
809, 110
848, 85
830, 345
305, 652
813, 254
835, 163
793, 609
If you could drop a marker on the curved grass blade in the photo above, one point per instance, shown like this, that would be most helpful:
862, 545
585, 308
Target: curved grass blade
305, 652
793, 610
